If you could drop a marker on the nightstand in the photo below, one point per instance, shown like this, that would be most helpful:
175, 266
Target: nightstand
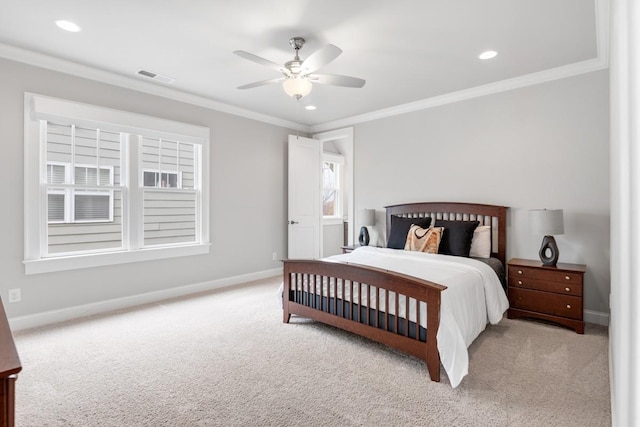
553, 294
349, 248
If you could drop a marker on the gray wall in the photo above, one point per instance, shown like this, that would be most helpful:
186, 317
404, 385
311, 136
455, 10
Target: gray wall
540, 146
332, 239
543, 146
248, 203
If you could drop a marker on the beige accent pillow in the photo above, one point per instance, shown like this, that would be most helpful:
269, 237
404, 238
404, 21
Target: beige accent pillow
423, 239
481, 243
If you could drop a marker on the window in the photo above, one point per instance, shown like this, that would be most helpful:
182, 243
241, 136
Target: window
105, 187
332, 186
160, 179
169, 190
79, 201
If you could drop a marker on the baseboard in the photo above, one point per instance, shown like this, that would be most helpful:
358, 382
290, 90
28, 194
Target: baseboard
55, 316
596, 317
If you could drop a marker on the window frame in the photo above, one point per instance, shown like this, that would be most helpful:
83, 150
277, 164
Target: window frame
39, 108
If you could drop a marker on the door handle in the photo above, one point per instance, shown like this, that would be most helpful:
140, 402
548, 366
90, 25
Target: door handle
293, 222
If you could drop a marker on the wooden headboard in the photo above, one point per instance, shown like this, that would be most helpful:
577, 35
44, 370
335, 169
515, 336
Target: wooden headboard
492, 215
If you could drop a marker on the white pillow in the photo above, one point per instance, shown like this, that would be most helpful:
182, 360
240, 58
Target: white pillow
481, 243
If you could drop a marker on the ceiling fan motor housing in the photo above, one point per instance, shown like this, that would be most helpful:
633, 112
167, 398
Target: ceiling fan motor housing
296, 42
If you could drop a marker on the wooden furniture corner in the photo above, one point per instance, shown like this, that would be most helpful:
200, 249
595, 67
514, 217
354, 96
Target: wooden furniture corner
553, 294
9, 368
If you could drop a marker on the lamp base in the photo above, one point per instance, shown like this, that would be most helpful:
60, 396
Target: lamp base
363, 238
549, 251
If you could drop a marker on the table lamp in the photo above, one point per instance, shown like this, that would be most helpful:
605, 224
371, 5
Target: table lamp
548, 222
367, 218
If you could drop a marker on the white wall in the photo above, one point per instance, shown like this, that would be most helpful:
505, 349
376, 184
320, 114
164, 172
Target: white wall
624, 329
248, 203
543, 146
332, 239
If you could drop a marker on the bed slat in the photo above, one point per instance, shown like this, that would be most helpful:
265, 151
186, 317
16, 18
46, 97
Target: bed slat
311, 290
406, 315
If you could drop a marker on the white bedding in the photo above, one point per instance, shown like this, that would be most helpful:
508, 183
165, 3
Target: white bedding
474, 297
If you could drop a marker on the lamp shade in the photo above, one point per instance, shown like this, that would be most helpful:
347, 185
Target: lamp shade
297, 86
547, 222
368, 217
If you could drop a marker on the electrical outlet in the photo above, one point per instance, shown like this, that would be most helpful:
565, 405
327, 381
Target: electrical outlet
15, 295
274, 256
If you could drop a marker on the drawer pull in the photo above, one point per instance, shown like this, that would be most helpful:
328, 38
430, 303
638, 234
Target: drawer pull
519, 271
568, 305
567, 278
519, 282
567, 289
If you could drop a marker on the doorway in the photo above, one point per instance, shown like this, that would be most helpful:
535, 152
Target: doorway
336, 232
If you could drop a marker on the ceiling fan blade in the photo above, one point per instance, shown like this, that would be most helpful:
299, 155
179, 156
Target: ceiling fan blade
261, 83
258, 60
336, 80
320, 58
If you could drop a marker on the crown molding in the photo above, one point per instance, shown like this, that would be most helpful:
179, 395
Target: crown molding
475, 92
84, 71
600, 62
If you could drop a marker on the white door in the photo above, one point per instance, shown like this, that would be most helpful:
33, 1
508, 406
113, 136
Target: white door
305, 210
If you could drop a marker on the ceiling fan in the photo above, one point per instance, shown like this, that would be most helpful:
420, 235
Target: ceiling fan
298, 75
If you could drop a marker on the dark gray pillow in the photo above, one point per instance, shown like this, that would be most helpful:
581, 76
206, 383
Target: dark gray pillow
457, 236
400, 228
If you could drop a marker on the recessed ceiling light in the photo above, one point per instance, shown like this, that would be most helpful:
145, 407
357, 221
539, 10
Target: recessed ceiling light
488, 54
68, 26
310, 107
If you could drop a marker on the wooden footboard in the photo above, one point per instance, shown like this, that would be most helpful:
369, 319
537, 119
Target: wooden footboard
377, 304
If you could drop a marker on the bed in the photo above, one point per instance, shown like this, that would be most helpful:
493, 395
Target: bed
431, 306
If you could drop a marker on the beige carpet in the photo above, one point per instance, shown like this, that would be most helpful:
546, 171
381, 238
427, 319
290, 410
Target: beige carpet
226, 359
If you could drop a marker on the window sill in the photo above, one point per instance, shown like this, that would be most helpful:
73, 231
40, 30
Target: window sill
75, 262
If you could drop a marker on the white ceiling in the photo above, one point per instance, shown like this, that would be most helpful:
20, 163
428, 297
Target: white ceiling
408, 51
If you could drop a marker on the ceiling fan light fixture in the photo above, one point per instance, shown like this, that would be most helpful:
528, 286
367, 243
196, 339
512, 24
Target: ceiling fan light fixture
297, 87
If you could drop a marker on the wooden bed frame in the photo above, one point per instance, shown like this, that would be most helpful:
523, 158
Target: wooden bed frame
315, 289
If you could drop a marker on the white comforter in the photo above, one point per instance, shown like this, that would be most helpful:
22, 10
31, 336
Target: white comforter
474, 297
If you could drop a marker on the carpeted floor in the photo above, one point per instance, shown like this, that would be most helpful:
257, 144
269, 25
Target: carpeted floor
226, 359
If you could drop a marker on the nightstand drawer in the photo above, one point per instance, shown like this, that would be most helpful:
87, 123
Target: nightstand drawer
544, 302
544, 285
547, 275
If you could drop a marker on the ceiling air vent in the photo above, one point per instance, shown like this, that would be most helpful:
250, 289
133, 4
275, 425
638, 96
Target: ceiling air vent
156, 76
